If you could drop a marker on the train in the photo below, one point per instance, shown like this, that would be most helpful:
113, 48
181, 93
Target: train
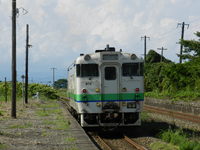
106, 88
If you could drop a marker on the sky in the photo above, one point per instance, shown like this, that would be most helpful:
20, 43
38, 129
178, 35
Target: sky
62, 29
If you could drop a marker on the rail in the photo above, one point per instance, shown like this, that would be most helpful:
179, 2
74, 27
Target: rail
178, 115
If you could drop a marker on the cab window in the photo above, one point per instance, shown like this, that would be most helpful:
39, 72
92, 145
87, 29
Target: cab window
87, 70
132, 69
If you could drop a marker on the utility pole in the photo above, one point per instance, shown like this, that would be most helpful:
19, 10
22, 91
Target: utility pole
183, 24
6, 90
53, 69
26, 63
145, 46
14, 72
162, 49
23, 98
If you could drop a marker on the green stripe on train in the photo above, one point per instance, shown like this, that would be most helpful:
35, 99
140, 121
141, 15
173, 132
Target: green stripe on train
98, 97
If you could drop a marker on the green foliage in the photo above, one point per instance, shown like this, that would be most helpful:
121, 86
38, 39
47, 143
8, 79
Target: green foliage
163, 146
174, 81
144, 116
154, 57
20, 126
50, 109
62, 92
3, 146
44, 90
61, 83
191, 48
180, 139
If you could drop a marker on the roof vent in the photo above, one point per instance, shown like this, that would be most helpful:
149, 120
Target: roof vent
112, 49
107, 49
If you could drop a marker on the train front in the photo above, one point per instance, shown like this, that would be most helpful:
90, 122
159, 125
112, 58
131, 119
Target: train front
109, 89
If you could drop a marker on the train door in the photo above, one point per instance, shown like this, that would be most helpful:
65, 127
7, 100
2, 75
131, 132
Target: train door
110, 87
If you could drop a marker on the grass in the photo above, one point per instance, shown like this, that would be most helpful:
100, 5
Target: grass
61, 125
53, 110
44, 133
48, 109
62, 92
42, 113
183, 95
163, 146
58, 124
72, 148
70, 139
180, 139
49, 122
1, 113
144, 116
21, 126
2, 146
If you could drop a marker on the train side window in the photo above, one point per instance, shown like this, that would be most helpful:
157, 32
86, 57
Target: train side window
132, 69
89, 70
110, 73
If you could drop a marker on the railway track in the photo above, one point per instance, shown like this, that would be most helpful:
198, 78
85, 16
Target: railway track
118, 143
178, 115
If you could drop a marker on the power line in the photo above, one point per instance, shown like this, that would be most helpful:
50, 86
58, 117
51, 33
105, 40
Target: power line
183, 24
162, 49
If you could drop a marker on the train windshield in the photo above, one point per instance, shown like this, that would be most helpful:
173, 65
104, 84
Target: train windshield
87, 70
132, 69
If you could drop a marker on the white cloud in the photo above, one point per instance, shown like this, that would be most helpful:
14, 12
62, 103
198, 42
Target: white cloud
60, 30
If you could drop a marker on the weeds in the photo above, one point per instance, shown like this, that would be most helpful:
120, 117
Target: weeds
21, 126
2, 146
42, 113
180, 139
144, 116
163, 146
70, 139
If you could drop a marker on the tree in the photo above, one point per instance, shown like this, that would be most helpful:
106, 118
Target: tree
191, 48
154, 57
61, 83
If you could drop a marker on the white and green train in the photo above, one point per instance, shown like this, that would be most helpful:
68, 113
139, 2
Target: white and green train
106, 88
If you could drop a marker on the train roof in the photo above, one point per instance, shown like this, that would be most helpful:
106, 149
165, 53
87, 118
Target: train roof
107, 54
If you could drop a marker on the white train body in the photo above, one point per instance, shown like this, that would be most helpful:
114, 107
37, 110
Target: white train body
106, 88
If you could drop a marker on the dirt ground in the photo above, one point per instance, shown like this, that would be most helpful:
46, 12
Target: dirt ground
39, 125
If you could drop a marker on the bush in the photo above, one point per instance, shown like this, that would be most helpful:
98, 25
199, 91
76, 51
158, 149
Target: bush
180, 139
44, 90
176, 81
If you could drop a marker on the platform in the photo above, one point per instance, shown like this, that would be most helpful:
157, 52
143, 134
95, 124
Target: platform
41, 125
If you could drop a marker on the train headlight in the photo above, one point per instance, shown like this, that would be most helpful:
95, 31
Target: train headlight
133, 56
131, 105
87, 57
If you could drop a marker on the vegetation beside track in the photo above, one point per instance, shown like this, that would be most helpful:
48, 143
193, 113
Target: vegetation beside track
168, 80
173, 81
175, 139
44, 91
